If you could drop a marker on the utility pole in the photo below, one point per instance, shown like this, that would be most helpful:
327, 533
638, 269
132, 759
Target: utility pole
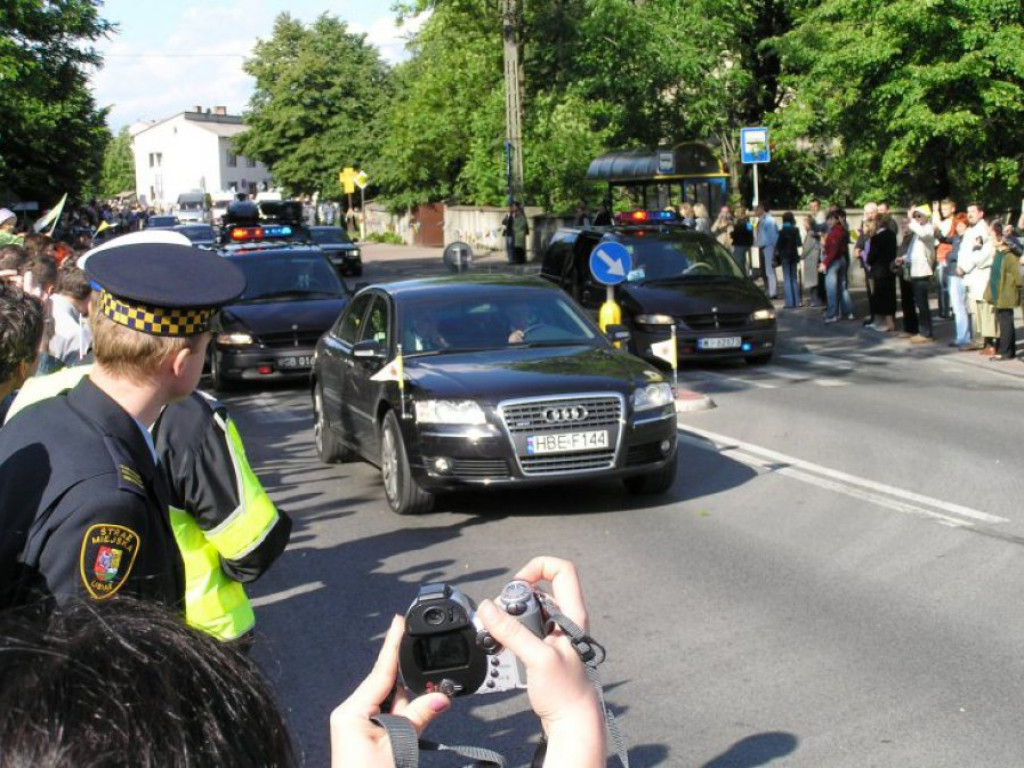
510, 23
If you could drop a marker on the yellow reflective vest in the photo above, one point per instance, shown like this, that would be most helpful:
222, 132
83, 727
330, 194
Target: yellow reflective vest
227, 529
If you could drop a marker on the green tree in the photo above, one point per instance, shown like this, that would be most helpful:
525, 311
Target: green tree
118, 174
443, 131
51, 133
318, 92
907, 100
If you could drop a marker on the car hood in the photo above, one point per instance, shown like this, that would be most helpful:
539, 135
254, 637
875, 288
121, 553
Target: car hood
275, 316
519, 372
696, 297
337, 247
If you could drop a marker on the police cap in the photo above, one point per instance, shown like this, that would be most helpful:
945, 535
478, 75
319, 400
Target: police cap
161, 288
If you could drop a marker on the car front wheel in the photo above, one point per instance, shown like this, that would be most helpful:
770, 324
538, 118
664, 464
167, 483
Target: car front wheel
404, 496
220, 382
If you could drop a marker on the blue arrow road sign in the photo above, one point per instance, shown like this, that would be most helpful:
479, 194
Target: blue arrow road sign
610, 263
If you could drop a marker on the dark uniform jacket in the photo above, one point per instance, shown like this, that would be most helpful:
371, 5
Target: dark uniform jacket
83, 510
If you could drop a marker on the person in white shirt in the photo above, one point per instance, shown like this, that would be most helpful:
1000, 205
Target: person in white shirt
975, 261
920, 255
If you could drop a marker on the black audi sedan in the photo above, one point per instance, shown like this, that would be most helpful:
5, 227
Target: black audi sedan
343, 253
478, 381
677, 277
292, 296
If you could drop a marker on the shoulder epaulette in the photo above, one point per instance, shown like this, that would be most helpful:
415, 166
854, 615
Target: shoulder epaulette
128, 477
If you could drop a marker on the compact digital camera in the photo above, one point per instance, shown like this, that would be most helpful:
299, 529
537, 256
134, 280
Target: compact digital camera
445, 647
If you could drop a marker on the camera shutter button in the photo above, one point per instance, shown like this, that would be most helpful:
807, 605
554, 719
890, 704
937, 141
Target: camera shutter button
488, 643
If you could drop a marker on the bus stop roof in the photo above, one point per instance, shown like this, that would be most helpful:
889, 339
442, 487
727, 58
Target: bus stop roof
637, 166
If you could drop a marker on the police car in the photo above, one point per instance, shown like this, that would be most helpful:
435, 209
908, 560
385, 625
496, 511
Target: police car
678, 277
293, 295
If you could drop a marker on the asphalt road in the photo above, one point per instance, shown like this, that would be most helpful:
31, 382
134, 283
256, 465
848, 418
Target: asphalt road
831, 582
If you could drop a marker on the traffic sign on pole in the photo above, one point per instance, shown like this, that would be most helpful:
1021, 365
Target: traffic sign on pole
347, 179
361, 179
610, 262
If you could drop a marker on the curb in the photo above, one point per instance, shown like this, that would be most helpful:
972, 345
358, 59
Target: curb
688, 401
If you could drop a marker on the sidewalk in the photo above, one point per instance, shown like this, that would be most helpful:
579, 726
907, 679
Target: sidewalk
798, 327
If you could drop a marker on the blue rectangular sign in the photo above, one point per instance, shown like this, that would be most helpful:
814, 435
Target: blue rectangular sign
754, 146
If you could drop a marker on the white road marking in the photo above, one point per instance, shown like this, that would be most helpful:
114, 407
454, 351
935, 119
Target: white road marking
881, 494
277, 597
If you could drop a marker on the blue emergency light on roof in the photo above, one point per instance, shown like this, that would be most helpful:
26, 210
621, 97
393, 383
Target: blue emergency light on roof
641, 217
265, 232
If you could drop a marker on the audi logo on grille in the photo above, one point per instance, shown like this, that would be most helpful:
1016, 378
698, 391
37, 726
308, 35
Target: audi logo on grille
565, 413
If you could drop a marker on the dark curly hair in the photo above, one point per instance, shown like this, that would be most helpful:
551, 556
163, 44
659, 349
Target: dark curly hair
21, 329
126, 684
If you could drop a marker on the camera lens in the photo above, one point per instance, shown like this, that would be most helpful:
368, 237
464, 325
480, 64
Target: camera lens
434, 616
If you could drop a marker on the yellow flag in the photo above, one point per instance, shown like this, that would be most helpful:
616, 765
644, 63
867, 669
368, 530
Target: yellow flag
50, 219
666, 350
393, 371
104, 225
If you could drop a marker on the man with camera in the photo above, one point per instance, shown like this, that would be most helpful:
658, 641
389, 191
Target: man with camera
918, 262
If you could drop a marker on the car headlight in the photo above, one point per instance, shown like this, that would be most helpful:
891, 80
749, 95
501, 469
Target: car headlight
652, 396
449, 412
655, 319
763, 314
235, 339
355, 253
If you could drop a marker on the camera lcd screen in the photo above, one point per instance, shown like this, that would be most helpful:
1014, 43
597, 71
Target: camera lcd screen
437, 652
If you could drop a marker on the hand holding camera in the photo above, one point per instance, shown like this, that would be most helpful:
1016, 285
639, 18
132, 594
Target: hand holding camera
464, 646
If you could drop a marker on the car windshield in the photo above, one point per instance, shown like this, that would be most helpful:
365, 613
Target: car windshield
198, 232
162, 221
499, 320
270, 276
333, 236
661, 259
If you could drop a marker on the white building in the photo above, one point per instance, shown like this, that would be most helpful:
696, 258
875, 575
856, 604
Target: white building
192, 152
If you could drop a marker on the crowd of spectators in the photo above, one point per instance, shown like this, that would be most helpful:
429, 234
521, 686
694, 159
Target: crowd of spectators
968, 265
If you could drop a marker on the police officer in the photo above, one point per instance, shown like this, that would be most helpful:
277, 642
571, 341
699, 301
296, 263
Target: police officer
228, 530
83, 506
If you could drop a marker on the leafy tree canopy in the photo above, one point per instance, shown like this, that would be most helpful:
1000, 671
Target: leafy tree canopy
118, 173
908, 100
51, 133
318, 92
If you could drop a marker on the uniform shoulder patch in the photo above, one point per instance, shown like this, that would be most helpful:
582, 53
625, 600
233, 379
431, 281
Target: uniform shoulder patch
108, 554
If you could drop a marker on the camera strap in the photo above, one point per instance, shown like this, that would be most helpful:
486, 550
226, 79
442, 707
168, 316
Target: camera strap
406, 747
592, 654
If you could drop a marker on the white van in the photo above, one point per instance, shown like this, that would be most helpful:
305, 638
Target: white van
192, 207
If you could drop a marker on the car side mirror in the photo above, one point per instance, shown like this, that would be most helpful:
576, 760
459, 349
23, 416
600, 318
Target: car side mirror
617, 333
368, 349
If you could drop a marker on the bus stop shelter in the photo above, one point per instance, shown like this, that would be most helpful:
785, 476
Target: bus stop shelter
659, 178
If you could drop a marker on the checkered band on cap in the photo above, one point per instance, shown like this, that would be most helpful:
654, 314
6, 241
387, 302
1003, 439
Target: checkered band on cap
156, 321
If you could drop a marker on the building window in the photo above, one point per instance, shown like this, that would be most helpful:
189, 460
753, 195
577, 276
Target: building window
250, 163
232, 159
155, 159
